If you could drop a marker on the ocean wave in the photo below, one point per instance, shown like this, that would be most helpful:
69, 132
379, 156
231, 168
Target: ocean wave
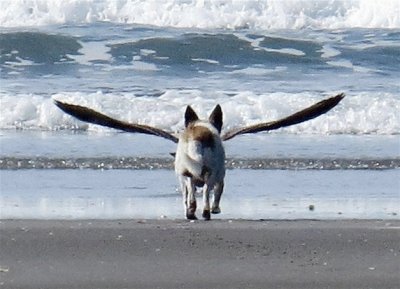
145, 163
244, 53
226, 50
37, 47
363, 113
208, 14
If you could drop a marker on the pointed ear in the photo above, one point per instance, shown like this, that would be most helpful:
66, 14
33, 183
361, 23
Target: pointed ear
190, 116
216, 118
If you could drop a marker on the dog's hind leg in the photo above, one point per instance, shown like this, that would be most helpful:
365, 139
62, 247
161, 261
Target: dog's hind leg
206, 202
185, 192
219, 188
190, 199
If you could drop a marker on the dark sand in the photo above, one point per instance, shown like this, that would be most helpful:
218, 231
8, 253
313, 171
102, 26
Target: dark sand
216, 254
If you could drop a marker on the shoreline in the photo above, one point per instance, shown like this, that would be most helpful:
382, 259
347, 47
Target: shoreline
216, 254
249, 194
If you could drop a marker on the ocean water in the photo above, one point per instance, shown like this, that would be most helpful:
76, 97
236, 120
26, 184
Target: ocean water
144, 61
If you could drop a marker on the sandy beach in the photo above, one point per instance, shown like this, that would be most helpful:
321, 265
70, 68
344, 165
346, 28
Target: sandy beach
215, 254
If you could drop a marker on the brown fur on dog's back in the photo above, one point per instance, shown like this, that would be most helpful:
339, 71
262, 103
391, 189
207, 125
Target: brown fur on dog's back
200, 134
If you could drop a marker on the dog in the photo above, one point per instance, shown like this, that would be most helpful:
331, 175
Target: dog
200, 161
200, 154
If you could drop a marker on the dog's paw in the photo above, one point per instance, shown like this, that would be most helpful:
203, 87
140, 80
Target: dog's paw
216, 210
206, 215
190, 215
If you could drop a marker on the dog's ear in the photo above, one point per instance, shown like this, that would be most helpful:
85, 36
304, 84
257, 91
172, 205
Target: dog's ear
216, 118
190, 116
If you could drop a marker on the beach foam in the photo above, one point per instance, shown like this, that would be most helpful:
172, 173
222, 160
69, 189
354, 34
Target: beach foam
363, 113
225, 14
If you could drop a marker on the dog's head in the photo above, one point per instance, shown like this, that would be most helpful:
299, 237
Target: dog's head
215, 117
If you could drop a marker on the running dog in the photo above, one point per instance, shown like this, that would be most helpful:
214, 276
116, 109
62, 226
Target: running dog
200, 155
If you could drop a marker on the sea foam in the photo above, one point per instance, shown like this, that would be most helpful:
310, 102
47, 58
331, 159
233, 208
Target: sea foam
209, 14
363, 113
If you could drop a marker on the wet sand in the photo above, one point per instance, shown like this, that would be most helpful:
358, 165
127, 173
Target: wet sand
215, 254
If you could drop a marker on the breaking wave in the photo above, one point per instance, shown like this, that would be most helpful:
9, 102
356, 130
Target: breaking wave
363, 113
209, 14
